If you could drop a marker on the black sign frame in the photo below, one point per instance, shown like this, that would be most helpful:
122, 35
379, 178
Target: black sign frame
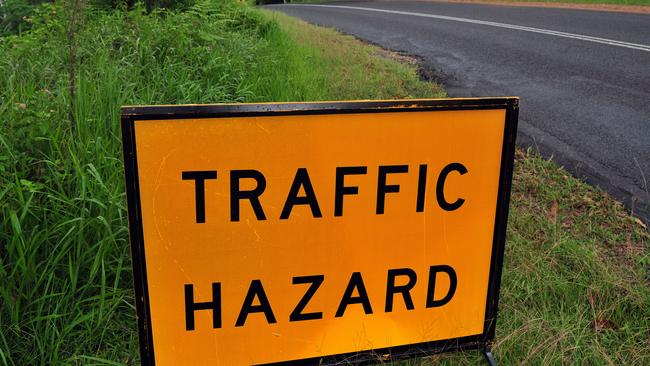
130, 115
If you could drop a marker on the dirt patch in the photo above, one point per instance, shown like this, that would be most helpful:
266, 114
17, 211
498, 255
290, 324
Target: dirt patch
396, 56
640, 9
424, 73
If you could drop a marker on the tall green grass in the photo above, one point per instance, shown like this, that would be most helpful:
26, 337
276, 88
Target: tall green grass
65, 272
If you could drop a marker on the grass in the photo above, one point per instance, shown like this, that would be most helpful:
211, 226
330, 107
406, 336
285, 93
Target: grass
575, 286
346, 68
65, 271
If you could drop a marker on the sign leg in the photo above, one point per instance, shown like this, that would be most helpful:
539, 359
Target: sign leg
489, 357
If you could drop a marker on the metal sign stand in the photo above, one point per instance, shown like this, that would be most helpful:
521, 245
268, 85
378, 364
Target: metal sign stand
489, 357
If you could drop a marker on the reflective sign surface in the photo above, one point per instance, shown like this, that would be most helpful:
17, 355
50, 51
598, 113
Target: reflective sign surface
275, 237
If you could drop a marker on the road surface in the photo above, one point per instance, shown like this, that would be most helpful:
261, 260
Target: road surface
583, 76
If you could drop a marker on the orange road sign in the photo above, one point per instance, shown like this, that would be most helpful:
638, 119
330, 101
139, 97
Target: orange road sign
317, 232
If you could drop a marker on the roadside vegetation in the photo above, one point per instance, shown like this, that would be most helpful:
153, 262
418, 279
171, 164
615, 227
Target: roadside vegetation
65, 277
576, 282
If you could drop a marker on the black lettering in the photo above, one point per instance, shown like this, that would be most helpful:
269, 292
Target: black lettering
383, 188
405, 290
453, 282
440, 187
255, 290
356, 281
199, 178
297, 314
341, 189
214, 305
301, 179
253, 195
422, 188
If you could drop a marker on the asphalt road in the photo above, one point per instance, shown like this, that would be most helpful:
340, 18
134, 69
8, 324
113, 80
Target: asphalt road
583, 76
